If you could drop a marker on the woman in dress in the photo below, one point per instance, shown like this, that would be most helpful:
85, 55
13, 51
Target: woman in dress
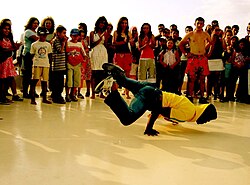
98, 55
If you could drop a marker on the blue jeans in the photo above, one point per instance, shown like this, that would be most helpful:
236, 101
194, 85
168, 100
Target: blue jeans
146, 97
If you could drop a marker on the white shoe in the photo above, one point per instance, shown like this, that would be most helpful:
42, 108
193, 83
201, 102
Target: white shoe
105, 85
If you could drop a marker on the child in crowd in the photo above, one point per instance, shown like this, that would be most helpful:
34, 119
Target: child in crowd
169, 59
41, 54
86, 66
240, 58
162, 44
58, 68
7, 69
75, 57
226, 57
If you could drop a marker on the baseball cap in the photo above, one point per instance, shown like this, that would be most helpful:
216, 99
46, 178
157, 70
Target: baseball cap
74, 31
42, 31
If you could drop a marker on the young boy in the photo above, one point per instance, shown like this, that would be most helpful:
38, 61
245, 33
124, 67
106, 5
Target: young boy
75, 56
197, 64
58, 64
172, 107
41, 54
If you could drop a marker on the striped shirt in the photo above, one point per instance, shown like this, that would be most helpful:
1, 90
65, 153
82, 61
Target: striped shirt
58, 57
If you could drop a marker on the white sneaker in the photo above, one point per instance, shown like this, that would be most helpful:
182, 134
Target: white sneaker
105, 85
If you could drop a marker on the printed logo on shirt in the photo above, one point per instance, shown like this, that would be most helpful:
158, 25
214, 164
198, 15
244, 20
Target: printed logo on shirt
74, 53
42, 52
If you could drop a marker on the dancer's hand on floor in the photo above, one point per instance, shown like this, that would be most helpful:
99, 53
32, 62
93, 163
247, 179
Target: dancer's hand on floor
151, 132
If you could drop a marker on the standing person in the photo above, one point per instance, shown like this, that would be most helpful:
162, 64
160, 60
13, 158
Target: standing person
30, 36
49, 24
7, 69
75, 57
235, 29
135, 53
85, 68
146, 70
87, 71
99, 54
197, 64
161, 28
226, 57
158, 66
169, 59
248, 32
240, 59
213, 79
121, 41
58, 67
41, 54
110, 47
183, 63
172, 107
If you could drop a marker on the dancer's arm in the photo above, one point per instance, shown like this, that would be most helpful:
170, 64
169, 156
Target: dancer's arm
149, 129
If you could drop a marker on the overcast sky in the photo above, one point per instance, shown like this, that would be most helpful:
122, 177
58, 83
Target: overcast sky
180, 12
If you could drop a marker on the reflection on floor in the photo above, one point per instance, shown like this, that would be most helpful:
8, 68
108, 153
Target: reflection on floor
83, 143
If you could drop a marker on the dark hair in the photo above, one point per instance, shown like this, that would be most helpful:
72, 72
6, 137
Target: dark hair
173, 25
170, 39
176, 30
227, 27
4, 21
166, 30
109, 24
99, 20
246, 46
60, 29
52, 29
142, 35
209, 113
119, 28
189, 27
161, 25
84, 27
236, 27
10, 36
229, 31
200, 19
30, 22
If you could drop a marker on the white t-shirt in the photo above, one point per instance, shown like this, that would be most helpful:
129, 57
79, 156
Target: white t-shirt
41, 50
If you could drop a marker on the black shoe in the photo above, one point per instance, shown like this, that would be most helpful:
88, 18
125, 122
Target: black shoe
203, 100
36, 95
4, 101
87, 94
67, 98
80, 96
73, 98
112, 69
26, 96
59, 100
232, 99
16, 98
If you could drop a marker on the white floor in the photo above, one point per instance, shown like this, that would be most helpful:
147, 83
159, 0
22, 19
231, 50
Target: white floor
83, 143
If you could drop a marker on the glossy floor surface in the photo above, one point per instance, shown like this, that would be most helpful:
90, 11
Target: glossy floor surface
83, 143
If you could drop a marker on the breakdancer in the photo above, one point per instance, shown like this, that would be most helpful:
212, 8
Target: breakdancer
147, 96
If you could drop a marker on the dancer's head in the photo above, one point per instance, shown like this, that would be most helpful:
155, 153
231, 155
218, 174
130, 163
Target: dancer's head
209, 114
